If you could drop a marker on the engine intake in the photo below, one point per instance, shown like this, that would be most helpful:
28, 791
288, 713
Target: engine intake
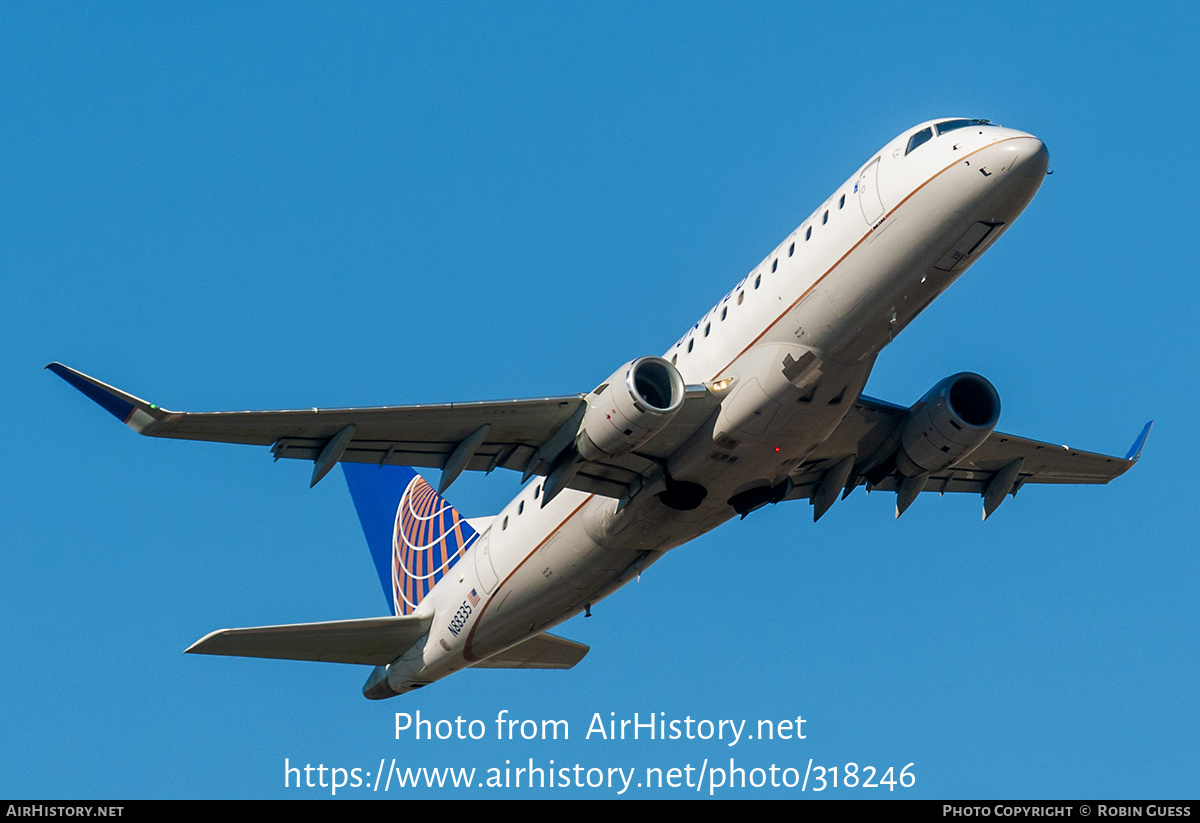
636, 402
947, 424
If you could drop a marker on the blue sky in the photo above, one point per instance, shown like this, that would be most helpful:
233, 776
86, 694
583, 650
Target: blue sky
293, 205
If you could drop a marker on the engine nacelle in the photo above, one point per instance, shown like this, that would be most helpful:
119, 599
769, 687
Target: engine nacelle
947, 424
629, 408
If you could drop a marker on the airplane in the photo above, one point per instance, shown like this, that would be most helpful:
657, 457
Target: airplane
759, 402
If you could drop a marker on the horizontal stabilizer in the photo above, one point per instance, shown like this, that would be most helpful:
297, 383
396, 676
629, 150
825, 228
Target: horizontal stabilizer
545, 651
374, 641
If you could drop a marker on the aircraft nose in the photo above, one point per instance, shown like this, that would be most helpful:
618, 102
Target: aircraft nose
1015, 167
1034, 160
1024, 157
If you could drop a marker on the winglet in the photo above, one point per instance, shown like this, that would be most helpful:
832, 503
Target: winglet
1135, 451
132, 411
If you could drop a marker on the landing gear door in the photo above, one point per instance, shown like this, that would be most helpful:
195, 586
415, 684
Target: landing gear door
484, 570
868, 193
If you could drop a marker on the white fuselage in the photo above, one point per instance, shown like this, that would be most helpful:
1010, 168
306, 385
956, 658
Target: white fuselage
827, 299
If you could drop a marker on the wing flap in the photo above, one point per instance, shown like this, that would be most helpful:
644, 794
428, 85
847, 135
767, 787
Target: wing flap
444, 424
1044, 462
374, 641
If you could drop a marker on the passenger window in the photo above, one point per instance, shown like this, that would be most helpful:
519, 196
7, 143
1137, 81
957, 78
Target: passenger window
791, 249
741, 295
723, 312
757, 280
690, 344
842, 202
707, 326
808, 233
775, 264
919, 138
825, 217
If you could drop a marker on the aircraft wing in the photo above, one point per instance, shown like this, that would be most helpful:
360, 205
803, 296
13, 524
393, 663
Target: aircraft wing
1000, 466
522, 435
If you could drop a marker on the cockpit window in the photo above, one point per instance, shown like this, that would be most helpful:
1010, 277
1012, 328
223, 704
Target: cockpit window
951, 125
919, 138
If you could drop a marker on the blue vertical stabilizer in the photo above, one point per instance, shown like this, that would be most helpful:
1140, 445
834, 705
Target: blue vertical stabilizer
414, 535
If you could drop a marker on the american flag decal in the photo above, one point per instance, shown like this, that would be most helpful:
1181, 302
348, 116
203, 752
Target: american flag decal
474, 598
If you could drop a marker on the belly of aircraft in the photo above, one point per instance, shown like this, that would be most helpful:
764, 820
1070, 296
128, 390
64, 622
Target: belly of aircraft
845, 319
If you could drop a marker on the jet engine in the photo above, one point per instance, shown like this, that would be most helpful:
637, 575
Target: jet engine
629, 408
947, 424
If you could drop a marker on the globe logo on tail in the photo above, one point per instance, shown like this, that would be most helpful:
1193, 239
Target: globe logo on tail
428, 539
